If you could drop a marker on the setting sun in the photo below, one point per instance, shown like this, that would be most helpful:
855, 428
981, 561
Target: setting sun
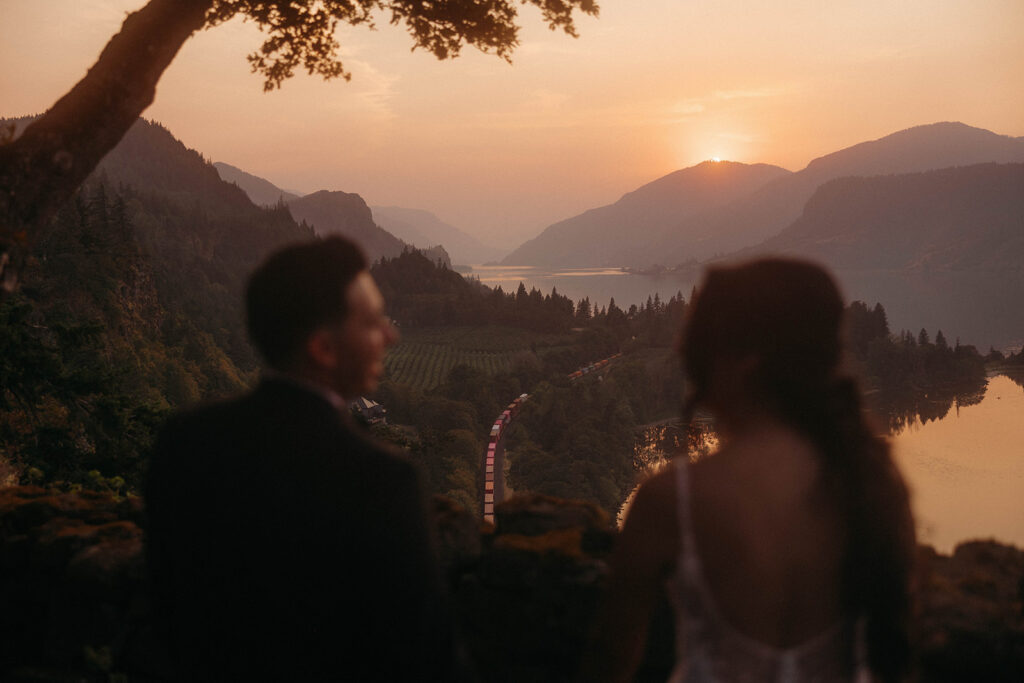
716, 159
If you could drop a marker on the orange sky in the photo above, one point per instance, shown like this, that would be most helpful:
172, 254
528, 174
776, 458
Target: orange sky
502, 151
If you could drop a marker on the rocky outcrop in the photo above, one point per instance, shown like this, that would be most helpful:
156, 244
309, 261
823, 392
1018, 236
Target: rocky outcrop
526, 606
72, 587
74, 600
971, 619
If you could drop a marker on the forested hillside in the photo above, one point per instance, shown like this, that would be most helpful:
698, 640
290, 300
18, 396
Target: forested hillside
965, 218
130, 308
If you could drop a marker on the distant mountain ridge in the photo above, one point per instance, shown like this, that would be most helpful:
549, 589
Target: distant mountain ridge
941, 249
961, 218
151, 159
760, 212
619, 233
776, 205
346, 213
424, 229
331, 212
262, 192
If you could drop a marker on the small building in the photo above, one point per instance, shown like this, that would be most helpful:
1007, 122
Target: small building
369, 411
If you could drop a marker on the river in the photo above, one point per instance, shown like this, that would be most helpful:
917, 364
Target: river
978, 308
964, 466
966, 469
599, 284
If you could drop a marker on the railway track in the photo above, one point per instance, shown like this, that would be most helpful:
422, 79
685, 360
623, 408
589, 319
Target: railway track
494, 456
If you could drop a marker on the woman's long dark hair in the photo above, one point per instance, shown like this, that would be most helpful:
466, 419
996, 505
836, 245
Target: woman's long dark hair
788, 315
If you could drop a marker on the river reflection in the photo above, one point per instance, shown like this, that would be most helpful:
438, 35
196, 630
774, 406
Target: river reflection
966, 470
901, 410
962, 454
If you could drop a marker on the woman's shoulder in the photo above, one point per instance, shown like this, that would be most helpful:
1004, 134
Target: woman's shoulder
775, 455
653, 512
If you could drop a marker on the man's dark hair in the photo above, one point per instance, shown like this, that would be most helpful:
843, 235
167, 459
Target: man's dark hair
296, 290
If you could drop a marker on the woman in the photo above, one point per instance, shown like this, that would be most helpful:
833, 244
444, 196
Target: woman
787, 554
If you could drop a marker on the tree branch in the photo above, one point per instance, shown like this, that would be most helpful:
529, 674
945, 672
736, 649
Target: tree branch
43, 168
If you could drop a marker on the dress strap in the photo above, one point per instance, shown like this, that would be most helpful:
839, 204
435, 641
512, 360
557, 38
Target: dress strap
863, 669
684, 513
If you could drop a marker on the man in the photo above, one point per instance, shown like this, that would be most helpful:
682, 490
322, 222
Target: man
283, 544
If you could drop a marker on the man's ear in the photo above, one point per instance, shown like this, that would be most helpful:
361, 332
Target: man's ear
322, 348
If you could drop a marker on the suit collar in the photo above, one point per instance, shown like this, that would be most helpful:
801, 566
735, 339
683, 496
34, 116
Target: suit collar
273, 377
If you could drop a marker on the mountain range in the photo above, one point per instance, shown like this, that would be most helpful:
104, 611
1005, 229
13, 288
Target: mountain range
261, 192
422, 229
940, 247
718, 208
621, 233
957, 219
382, 230
345, 213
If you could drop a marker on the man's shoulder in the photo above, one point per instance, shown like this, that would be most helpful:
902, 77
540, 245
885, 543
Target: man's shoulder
213, 422
270, 399
378, 454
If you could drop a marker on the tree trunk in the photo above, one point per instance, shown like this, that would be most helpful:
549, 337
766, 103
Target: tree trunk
43, 168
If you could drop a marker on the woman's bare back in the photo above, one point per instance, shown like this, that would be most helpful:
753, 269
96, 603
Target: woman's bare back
768, 536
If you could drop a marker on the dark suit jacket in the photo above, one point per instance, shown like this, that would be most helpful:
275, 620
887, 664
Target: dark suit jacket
285, 545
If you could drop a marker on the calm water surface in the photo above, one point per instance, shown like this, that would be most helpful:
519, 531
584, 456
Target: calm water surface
599, 284
965, 469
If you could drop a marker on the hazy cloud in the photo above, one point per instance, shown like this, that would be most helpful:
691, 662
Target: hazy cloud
373, 88
749, 93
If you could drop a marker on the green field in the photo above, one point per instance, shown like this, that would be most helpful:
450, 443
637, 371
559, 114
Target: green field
423, 357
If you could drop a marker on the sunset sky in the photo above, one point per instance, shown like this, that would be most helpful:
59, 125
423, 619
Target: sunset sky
501, 151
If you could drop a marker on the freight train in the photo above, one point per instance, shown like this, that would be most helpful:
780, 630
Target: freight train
506, 417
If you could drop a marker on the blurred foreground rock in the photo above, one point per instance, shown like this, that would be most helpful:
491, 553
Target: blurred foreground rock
972, 613
73, 603
72, 587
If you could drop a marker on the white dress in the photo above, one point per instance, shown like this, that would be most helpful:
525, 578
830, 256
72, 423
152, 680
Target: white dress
710, 650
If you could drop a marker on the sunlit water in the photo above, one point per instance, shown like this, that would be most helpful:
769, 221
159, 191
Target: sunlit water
965, 469
599, 284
